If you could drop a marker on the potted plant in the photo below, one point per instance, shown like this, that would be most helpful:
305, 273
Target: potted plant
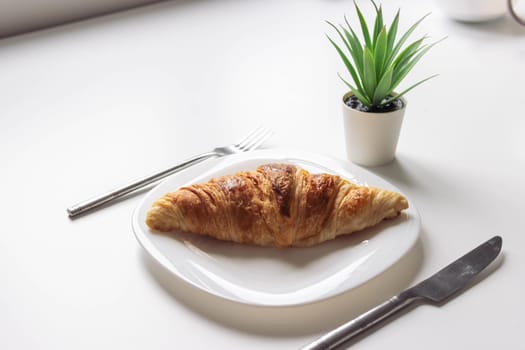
372, 110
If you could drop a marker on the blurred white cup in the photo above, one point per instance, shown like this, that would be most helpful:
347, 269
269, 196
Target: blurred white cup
478, 10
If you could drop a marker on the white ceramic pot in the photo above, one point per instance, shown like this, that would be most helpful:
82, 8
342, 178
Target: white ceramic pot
371, 138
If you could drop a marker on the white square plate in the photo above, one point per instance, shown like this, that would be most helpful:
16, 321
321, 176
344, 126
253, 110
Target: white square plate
272, 276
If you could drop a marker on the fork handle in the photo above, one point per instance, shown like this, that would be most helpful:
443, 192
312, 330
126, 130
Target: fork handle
113, 195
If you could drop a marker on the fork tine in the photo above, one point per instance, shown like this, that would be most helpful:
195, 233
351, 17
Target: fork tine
256, 136
248, 137
256, 142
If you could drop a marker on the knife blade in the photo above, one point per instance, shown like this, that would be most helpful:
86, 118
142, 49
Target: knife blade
435, 289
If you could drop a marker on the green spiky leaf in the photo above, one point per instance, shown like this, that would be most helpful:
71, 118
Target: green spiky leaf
380, 61
380, 52
358, 93
402, 72
408, 53
388, 100
347, 63
382, 88
393, 32
364, 26
369, 77
357, 49
404, 37
378, 24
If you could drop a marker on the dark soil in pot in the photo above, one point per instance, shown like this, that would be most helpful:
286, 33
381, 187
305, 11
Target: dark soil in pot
354, 103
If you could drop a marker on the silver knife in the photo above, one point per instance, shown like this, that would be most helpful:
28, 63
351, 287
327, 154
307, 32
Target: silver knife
435, 289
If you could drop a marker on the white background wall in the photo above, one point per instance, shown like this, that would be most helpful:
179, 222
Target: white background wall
18, 16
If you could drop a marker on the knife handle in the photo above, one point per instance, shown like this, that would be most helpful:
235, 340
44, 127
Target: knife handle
361, 323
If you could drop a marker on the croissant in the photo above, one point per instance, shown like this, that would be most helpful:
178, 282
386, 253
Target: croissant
276, 205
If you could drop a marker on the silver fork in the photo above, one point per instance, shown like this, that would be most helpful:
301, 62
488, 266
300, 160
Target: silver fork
253, 140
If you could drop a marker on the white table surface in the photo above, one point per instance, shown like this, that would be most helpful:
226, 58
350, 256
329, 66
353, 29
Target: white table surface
89, 106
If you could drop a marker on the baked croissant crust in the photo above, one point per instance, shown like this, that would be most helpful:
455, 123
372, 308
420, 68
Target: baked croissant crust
277, 205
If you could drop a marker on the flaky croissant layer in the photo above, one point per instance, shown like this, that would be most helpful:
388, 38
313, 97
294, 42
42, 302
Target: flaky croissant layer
276, 205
